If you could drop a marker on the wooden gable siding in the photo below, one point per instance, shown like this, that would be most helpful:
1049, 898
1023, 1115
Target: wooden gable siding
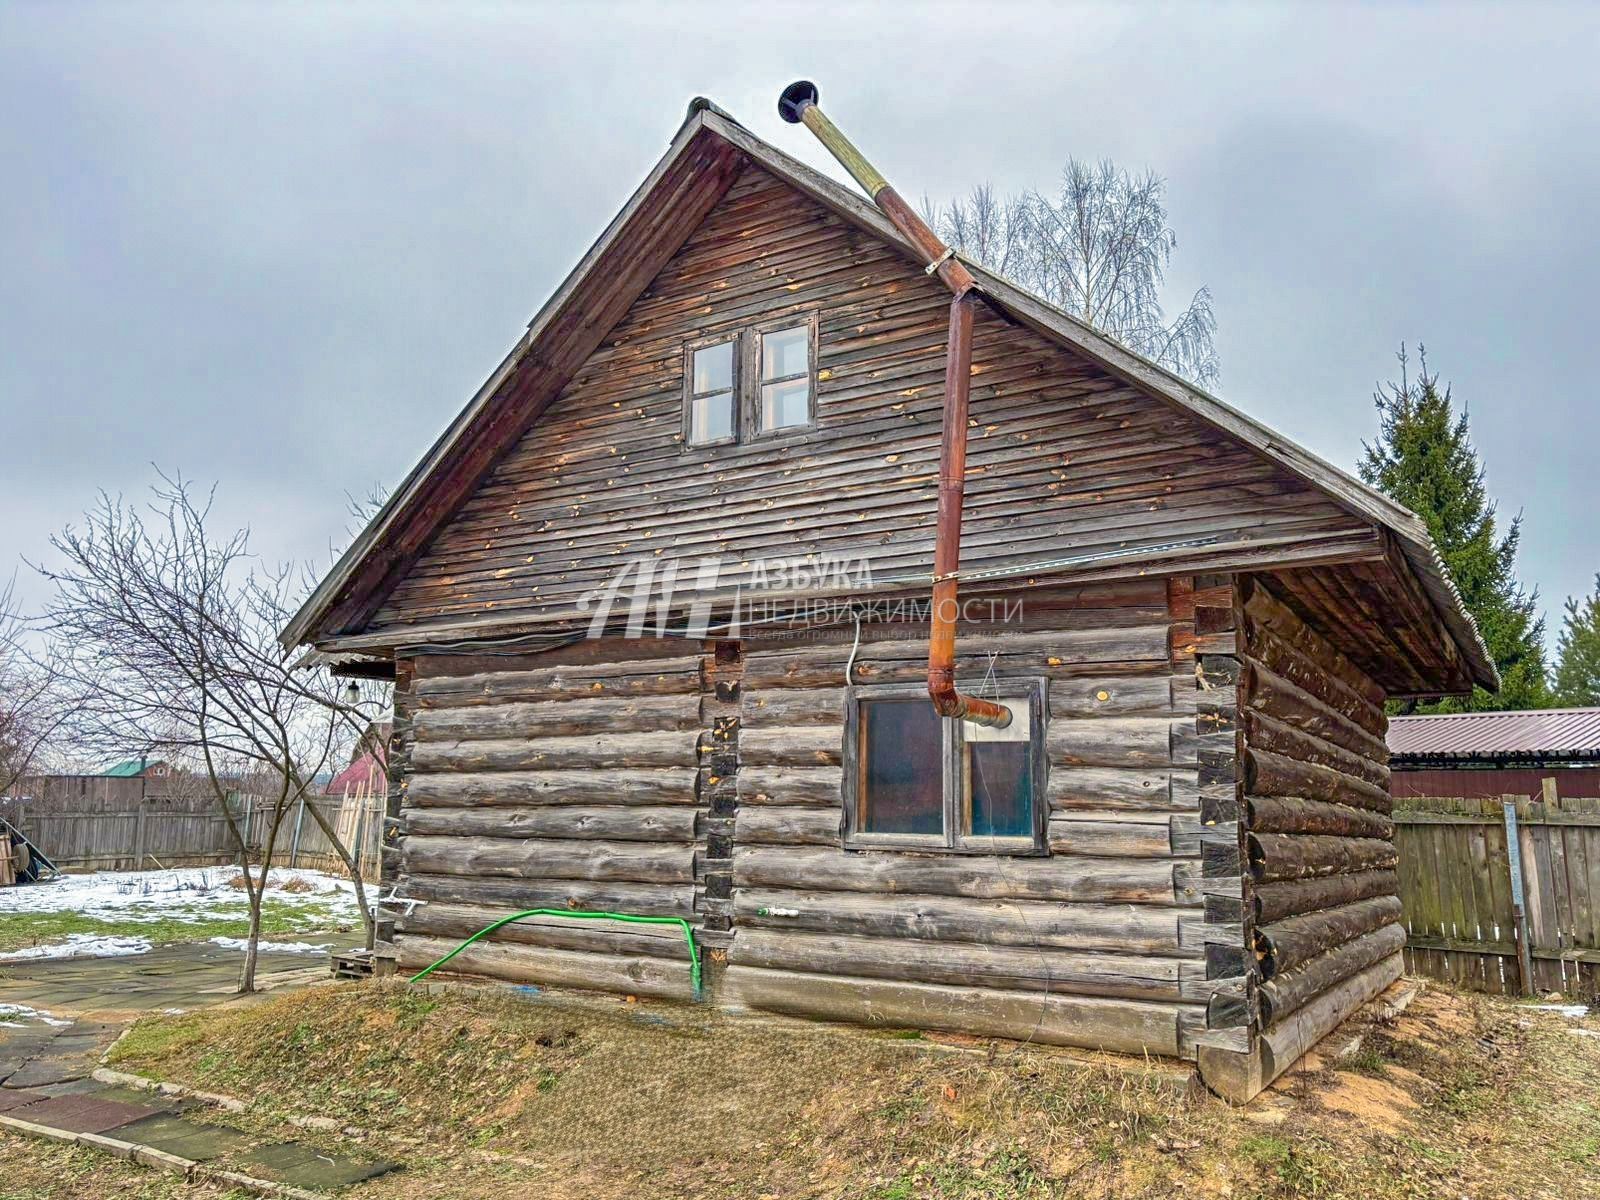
1064, 460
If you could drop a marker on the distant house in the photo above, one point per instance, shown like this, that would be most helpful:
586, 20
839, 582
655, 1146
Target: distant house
1496, 753
139, 768
368, 772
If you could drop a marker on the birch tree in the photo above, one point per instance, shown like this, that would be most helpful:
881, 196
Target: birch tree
1099, 248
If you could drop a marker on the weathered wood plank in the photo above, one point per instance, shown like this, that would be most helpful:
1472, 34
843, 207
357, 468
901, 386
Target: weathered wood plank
1128, 1026
545, 858
675, 749
631, 823
964, 964
980, 876
1131, 928
643, 975
668, 785
559, 718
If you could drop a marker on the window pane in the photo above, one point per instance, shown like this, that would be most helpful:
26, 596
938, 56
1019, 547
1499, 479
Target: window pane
902, 768
710, 418
784, 405
785, 352
1000, 784
713, 368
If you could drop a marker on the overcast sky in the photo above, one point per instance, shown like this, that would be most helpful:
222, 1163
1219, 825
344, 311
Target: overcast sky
279, 247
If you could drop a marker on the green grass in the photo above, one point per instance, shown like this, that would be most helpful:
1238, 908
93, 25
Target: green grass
196, 924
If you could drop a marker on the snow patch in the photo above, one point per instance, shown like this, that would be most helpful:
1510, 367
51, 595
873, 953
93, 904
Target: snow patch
231, 943
191, 894
27, 1014
82, 945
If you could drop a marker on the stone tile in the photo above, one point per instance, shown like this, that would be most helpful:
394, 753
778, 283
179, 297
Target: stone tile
184, 1137
42, 1071
14, 1098
304, 1166
86, 1113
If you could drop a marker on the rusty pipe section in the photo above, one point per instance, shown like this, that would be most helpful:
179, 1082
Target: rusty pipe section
798, 105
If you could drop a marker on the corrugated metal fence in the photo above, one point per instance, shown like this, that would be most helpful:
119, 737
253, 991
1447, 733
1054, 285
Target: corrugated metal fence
1458, 882
91, 822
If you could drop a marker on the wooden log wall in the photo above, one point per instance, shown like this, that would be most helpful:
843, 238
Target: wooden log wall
1100, 942
1321, 898
580, 780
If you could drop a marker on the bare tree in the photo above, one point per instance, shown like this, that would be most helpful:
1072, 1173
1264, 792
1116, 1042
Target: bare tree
168, 637
31, 708
1099, 249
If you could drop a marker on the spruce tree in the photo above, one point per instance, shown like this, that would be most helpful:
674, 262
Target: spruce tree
1424, 458
1577, 682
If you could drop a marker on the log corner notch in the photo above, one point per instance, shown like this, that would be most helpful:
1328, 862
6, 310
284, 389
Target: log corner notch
1320, 912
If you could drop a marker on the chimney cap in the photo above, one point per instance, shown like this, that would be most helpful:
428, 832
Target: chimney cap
794, 99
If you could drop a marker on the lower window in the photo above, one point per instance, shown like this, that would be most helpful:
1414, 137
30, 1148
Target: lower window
921, 781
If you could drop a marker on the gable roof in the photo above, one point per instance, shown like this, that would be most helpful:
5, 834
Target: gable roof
701, 162
131, 768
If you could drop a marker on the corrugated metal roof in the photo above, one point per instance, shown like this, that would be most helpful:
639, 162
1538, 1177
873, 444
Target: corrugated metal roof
130, 768
1545, 733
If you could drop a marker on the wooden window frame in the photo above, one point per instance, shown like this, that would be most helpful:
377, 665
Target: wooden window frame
752, 393
954, 839
690, 349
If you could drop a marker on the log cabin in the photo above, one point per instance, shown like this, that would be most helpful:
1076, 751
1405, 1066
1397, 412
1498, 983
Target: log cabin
935, 659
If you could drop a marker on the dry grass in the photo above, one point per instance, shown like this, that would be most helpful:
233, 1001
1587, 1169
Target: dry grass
486, 1088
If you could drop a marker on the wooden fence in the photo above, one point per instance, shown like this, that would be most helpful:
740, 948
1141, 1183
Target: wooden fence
1459, 884
94, 823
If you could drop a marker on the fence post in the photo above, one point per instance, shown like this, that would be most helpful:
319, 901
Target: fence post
299, 820
1508, 805
138, 836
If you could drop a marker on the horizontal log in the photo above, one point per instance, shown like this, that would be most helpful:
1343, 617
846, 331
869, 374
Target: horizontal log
1277, 856
665, 785
559, 718
1126, 927
1286, 944
1110, 741
981, 876
1276, 814
792, 746
514, 895
461, 921
1266, 611
792, 706
1275, 696
963, 964
1098, 789
1292, 990
1111, 838
788, 825
1021, 653
540, 858
1264, 733
639, 976
1128, 1026
1275, 901
661, 676
1269, 774
676, 749
1113, 695
790, 785
629, 823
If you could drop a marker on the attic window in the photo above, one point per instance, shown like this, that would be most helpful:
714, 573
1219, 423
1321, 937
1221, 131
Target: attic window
760, 382
785, 379
709, 408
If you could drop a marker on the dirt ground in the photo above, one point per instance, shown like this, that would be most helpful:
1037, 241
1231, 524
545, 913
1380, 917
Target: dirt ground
484, 1090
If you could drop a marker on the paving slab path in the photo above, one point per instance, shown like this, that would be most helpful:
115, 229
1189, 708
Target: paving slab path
58, 1017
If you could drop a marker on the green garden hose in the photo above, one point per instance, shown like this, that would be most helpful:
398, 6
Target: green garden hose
688, 935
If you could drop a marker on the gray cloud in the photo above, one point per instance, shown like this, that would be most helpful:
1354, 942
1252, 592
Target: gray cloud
280, 247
